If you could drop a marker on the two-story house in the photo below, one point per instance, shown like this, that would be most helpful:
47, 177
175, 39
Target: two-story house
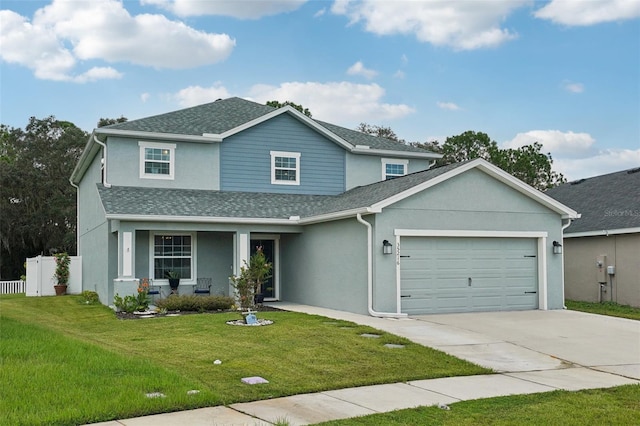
351, 221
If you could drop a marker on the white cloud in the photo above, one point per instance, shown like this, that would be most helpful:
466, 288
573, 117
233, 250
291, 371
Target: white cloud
582, 13
558, 143
341, 103
196, 95
448, 106
359, 69
64, 33
607, 161
575, 154
573, 87
462, 25
248, 9
320, 13
399, 74
145, 97
98, 73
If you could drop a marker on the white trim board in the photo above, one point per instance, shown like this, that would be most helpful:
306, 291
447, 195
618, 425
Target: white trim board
468, 234
602, 233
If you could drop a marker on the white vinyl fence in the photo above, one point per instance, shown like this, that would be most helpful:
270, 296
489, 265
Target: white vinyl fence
40, 280
13, 287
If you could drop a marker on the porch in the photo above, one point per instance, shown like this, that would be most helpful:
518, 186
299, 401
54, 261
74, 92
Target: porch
192, 254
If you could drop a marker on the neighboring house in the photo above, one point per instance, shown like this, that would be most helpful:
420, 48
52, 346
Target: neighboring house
607, 235
197, 190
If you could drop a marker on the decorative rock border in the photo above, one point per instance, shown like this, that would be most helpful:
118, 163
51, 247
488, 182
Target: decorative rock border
258, 323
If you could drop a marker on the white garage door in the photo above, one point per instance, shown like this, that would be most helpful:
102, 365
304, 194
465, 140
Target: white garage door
443, 274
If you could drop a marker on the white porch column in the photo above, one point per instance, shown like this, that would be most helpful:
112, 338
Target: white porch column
240, 253
125, 254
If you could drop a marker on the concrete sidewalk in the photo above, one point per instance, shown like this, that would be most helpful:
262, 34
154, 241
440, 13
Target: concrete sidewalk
514, 343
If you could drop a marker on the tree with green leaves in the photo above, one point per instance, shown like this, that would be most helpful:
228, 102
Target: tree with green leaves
528, 163
380, 131
109, 121
37, 202
278, 104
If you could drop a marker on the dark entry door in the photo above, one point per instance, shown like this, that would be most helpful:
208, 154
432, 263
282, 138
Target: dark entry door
268, 248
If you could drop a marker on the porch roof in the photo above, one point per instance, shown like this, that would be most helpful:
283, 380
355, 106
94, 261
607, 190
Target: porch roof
155, 203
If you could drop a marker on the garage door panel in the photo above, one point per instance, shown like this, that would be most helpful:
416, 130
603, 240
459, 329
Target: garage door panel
435, 274
447, 304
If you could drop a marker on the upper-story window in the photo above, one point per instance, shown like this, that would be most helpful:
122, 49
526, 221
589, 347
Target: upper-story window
157, 160
392, 168
285, 168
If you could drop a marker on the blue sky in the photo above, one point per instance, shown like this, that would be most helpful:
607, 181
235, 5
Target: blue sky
564, 73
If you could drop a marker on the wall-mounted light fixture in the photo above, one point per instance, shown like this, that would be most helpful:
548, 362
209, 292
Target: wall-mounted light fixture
387, 247
557, 248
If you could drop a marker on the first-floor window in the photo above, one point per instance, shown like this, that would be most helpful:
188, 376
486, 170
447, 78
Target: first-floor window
172, 253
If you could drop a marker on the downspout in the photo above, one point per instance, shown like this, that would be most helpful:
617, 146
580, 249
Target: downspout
562, 268
372, 312
104, 161
77, 215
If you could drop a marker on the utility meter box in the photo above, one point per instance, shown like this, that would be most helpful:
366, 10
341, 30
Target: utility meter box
601, 272
611, 270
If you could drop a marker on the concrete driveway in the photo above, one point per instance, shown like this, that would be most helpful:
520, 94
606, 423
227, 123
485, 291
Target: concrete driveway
537, 340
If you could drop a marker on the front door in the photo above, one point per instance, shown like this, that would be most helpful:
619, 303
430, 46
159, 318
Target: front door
269, 248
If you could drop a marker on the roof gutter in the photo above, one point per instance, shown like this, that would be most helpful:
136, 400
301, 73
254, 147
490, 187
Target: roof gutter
372, 312
104, 161
201, 219
366, 150
205, 138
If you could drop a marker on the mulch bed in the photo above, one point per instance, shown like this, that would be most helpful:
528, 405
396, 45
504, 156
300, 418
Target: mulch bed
127, 316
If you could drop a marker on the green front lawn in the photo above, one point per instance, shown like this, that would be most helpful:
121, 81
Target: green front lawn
605, 308
63, 362
614, 406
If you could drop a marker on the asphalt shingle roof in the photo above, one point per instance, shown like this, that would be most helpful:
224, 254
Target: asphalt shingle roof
122, 200
605, 202
226, 114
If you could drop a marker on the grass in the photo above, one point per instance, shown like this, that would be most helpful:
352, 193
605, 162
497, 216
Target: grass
614, 406
77, 363
605, 308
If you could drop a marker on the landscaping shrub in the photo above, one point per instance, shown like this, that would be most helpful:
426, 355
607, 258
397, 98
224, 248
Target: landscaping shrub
190, 302
90, 297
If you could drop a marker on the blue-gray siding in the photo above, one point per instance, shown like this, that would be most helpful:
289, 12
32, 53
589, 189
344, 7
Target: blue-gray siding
196, 165
246, 164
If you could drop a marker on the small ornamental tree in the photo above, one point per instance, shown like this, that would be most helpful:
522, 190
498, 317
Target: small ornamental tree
259, 270
244, 288
252, 277
62, 268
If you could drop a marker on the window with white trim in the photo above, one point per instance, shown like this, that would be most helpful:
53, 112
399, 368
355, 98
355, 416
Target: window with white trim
157, 160
173, 252
392, 168
285, 168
